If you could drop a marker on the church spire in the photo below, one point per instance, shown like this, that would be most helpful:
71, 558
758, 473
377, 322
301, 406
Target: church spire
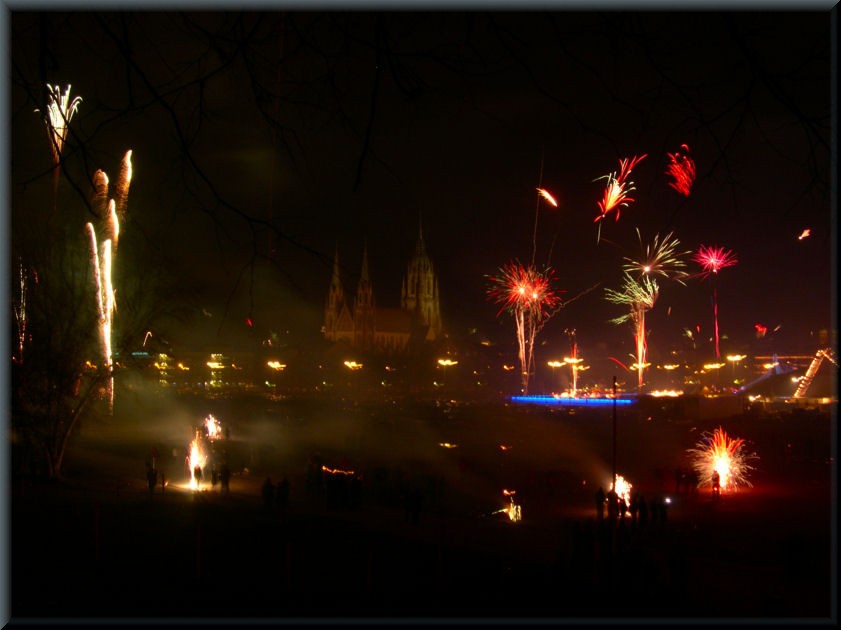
363, 311
420, 288
420, 250
335, 300
364, 277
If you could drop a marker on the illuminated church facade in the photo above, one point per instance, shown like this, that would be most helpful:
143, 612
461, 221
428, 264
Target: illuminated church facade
361, 323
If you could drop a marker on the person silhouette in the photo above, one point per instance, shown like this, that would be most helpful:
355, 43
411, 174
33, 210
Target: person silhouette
268, 493
225, 478
600, 499
716, 481
282, 496
151, 478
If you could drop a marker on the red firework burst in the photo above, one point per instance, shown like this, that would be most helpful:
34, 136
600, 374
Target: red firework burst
681, 169
618, 187
719, 453
520, 288
713, 259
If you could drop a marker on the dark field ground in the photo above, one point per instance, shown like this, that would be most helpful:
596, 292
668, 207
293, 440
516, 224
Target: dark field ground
98, 545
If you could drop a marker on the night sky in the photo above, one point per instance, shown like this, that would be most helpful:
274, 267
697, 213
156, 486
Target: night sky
347, 129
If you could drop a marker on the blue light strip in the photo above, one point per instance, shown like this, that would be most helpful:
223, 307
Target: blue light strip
583, 402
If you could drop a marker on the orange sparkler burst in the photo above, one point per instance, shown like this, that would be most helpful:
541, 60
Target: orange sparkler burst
804, 234
514, 510
623, 489
719, 453
545, 194
618, 187
681, 169
197, 459
212, 427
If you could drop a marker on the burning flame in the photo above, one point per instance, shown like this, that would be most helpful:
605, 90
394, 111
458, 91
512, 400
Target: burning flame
197, 458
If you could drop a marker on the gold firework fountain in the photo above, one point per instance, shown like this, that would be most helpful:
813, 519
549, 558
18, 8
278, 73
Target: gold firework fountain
103, 253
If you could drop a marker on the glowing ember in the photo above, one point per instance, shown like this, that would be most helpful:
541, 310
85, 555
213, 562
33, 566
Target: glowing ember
514, 510
718, 453
545, 194
337, 471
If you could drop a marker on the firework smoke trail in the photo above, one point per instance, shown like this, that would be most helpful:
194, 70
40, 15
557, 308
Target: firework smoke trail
104, 302
660, 258
544, 194
60, 110
617, 189
681, 169
103, 261
575, 360
20, 311
712, 260
527, 294
640, 296
717, 452
123, 184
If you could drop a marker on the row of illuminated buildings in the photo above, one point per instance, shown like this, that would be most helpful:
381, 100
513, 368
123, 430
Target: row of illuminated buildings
468, 372
367, 349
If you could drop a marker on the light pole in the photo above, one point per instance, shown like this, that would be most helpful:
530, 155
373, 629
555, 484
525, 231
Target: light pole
278, 367
708, 367
734, 359
445, 363
553, 365
573, 362
353, 366
614, 434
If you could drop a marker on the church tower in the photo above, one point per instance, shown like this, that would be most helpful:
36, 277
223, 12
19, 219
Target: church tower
363, 310
337, 319
420, 290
